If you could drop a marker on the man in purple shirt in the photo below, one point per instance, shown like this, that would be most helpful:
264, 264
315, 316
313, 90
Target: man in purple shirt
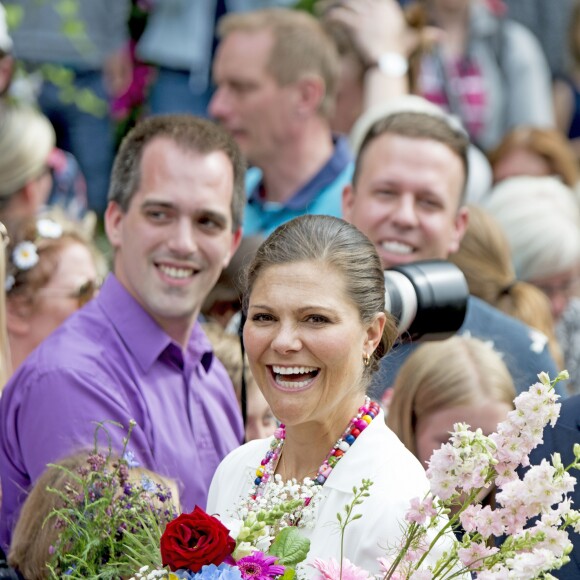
137, 351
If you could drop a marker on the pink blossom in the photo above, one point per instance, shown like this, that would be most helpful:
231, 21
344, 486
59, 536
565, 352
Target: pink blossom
421, 575
468, 517
421, 510
530, 564
489, 522
498, 572
330, 570
474, 555
514, 520
257, 566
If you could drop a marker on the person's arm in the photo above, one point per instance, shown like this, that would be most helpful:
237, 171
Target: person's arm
47, 416
118, 68
378, 30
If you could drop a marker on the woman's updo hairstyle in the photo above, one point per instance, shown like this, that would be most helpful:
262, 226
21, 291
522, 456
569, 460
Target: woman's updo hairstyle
335, 243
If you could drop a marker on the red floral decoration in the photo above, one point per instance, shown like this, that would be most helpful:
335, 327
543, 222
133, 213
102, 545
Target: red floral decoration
193, 540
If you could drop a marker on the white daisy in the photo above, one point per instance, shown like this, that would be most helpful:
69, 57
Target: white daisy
25, 256
9, 282
47, 228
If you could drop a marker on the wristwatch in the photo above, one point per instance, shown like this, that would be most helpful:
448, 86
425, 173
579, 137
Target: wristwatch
392, 64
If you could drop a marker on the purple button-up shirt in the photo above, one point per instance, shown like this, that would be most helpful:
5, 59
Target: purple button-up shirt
111, 361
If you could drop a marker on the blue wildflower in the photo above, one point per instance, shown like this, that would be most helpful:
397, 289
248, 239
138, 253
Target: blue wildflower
148, 484
129, 457
211, 572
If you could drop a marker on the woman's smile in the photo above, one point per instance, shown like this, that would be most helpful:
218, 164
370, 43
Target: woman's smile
305, 343
293, 377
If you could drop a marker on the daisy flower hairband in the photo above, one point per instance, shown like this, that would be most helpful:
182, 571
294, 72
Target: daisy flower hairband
24, 256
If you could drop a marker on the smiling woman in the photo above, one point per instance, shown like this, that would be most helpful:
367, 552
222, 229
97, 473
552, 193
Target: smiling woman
53, 269
315, 331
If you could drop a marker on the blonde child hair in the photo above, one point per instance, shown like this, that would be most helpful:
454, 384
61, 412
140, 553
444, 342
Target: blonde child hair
440, 375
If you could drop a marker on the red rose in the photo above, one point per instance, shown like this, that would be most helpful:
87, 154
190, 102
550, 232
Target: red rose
193, 540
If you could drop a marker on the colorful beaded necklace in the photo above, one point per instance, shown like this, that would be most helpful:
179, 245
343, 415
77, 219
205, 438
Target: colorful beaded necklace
356, 426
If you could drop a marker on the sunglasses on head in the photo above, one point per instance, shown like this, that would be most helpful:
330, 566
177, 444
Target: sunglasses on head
85, 292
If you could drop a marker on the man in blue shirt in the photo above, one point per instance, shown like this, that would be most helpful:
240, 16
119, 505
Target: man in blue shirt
276, 73
408, 196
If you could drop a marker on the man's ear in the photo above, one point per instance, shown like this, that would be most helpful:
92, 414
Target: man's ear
311, 91
113, 223
347, 202
236, 241
460, 227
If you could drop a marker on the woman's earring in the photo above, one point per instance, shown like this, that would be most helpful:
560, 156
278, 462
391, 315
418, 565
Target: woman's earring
366, 359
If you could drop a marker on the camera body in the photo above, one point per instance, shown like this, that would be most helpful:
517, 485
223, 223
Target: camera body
427, 298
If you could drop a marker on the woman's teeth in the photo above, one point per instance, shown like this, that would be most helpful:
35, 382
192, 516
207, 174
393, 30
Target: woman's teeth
293, 377
293, 370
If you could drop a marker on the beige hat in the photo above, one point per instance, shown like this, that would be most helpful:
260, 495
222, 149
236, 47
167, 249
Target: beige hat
26, 140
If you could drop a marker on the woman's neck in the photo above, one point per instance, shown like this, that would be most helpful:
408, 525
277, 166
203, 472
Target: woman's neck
308, 445
304, 453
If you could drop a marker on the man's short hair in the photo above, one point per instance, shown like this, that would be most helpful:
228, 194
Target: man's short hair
301, 47
191, 134
418, 125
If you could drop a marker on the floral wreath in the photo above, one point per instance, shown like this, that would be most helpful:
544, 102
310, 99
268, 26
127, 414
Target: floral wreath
24, 256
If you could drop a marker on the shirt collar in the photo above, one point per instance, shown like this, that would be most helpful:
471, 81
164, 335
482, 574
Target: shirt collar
141, 334
340, 158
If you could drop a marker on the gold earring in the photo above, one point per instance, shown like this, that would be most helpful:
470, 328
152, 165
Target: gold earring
366, 359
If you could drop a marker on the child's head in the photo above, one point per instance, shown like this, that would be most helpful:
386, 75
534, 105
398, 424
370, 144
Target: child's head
37, 530
459, 380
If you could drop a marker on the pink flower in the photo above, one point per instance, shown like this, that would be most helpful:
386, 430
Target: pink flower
489, 522
330, 570
468, 517
420, 510
257, 566
473, 556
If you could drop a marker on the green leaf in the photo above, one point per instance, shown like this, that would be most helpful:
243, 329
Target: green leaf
290, 546
289, 574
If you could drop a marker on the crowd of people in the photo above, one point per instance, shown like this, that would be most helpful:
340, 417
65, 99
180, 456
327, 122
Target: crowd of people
219, 278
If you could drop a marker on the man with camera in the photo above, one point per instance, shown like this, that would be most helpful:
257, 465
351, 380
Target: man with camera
408, 196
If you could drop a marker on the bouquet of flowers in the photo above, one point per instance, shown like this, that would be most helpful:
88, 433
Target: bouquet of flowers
103, 511
521, 535
265, 544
